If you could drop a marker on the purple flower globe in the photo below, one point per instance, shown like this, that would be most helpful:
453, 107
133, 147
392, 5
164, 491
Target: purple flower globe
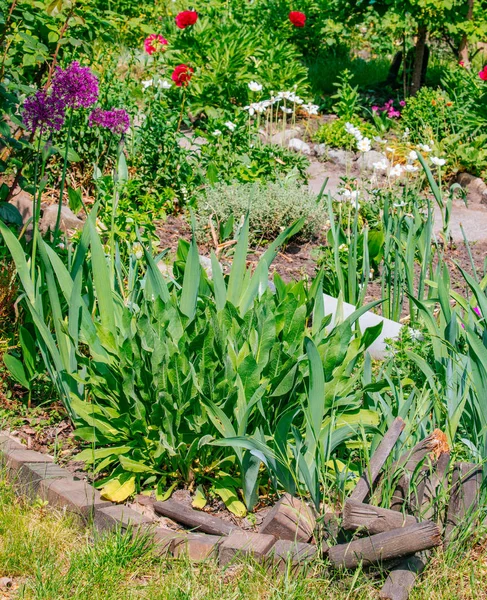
76, 86
116, 120
43, 111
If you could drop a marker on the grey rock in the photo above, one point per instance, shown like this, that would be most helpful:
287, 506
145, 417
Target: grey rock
282, 138
390, 329
165, 269
68, 219
192, 144
299, 146
24, 203
367, 160
475, 188
320, 150
341, 157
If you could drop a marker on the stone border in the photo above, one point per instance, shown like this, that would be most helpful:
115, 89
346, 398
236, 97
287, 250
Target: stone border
35, 474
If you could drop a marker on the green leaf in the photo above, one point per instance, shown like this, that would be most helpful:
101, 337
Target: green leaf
133, 466
316, 393
230, 499
118, 489
191, 281
199, 500
16, 369
75, 200
10, 214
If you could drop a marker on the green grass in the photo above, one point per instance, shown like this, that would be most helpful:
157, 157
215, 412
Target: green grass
50, 556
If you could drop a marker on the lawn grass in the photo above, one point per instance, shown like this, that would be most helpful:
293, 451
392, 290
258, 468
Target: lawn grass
50, 556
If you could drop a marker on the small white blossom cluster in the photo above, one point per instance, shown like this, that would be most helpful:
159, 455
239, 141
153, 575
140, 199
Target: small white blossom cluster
363, 143
280, 97
163, 84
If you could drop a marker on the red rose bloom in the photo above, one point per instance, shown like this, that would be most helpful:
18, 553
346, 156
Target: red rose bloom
154, 43
298, 19
182, 74
483, 74
186, 18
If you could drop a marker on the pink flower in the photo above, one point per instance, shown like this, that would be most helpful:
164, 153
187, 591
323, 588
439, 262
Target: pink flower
155, 43
461, 63
298, 19
477, 311
402, 103
375, 108
483, 73
182, 75
186, 18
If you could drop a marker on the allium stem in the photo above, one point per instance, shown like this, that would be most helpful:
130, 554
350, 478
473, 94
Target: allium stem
36, 211
63, 176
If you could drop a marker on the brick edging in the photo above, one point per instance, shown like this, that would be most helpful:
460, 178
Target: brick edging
35, 474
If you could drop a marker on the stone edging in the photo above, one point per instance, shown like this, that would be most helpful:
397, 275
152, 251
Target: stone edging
35, 474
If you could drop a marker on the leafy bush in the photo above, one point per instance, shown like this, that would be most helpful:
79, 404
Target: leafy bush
430, 114
271, 207
334, 134
157, 375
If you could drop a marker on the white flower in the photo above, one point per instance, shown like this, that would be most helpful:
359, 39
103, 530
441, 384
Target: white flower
165, 84
217, 132
255, 87
363, 145
406, 133
147, 83
230, 125
424, 147
379, 140
415, 334
439, 162
298, 100
396, 171
350, 194
286, 110
411, 168
389, 149
137, 251
381, 165
355, 131
311, 109
285, 95
62, 246
413, 155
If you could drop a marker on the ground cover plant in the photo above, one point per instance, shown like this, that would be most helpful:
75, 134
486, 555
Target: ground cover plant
204, 367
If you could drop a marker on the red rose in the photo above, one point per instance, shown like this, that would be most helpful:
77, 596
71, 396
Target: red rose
182, 74
483, 74
186, 18
154, 43
298, 19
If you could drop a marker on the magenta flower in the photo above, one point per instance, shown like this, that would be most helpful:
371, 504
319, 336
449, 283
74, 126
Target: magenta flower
477, 311
41, 110
116, 120
77, 86
483, 73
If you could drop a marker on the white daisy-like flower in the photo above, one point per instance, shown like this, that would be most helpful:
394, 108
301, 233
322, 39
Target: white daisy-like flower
381, 165
255, 87
396, 171
411, 168
286, 110
137, 250
147, 83
311, 109
439, 162
363, 145
424, 148
413, 155
284, 95
406, 133
230, 125
217, 132
298, 100
165, 84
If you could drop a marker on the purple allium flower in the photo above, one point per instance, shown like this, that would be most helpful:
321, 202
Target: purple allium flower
76, 86
116, 120
42, 110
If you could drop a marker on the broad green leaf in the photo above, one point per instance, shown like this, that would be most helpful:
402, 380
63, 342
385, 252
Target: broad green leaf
118, 489
16, 369
230, 499
199, 500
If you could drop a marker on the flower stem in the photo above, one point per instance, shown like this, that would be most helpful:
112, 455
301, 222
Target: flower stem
36, 212
63, 176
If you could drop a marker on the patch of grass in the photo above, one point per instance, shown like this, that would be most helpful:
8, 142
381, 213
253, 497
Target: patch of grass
50, 556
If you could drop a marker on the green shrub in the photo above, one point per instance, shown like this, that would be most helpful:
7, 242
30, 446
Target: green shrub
158, 375
429, 115
271, 206
334, 134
